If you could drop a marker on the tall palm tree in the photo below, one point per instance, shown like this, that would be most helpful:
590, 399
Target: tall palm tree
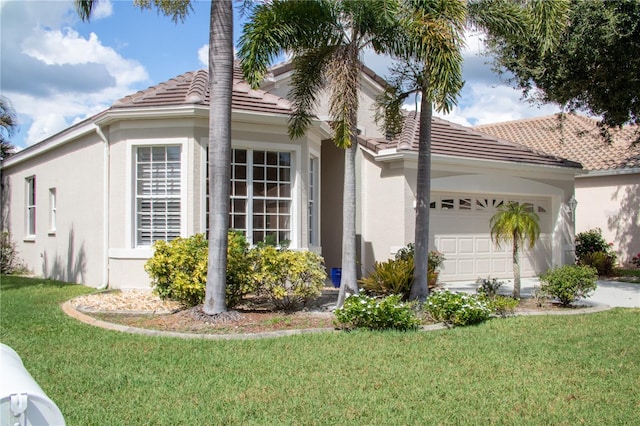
220, 89
517, 224
326, 39
430, 65
8, 126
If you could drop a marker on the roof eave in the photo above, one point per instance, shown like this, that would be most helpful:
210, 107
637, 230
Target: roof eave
392, 154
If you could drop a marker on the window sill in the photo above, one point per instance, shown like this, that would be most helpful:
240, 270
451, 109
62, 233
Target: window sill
29, 239
51, 233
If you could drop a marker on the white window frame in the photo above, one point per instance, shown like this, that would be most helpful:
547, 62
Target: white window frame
30, 207
296, 191
131, 219
53, 210
313, 201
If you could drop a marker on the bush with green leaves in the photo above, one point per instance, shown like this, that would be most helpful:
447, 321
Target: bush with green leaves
288, 278
9, 261
569, 283
362, 311
503, 305
395, 276
457, 308
603, 262
178, 269
589, 243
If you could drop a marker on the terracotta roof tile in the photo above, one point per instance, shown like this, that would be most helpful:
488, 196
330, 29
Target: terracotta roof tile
193, 88
452, 139
578, 139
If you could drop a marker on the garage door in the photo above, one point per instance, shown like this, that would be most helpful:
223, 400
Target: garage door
460, 230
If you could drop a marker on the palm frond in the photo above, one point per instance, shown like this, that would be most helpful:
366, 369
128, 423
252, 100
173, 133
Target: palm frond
282, 26
515, 222
344, 73
307, 81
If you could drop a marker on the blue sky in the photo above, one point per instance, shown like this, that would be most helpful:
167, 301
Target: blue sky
58, 70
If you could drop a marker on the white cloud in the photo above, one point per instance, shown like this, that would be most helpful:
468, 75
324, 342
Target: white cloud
103, 9
55, 76
203, 56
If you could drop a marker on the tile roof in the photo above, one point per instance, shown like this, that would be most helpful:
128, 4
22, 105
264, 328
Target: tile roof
578, 139
287, 66
454, 140
193, 88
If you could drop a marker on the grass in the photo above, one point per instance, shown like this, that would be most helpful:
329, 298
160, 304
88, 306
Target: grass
523, 370
627, 275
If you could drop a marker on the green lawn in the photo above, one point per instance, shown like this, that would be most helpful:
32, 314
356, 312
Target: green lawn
627, 275
526, 370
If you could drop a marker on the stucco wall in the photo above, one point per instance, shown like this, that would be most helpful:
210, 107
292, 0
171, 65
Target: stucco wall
74, 251
611, 203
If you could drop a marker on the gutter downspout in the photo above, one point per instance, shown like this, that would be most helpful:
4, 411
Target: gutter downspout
105, 215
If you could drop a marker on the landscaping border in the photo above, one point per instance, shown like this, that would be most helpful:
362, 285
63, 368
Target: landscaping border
71, 311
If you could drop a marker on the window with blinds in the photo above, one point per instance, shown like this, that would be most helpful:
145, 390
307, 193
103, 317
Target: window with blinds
158, 193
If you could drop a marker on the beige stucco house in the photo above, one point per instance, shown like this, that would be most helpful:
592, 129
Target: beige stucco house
608, 194
86, 204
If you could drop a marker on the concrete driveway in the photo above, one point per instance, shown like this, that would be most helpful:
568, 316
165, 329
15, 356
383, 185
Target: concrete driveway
611, 293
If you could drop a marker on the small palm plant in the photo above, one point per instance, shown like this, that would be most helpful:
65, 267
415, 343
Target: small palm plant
518, 224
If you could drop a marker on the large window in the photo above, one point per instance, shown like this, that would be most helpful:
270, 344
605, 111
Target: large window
158, 193
31, 205
261, 195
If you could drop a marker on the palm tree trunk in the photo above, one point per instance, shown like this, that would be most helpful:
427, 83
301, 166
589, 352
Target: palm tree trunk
220, 84
348, 281
420, 286
516, 269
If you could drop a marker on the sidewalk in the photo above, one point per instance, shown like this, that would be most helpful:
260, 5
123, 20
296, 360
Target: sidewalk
612, 293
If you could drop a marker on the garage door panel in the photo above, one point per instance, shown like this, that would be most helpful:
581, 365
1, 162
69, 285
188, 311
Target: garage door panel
483, 245
448, 245
483, 267
465, 246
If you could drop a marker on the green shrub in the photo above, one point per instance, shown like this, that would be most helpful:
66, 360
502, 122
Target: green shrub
603, 262
434, 258
569, 282
178, 269
591, 241
488, 287
394, 276
456, 308
288, 277
9, 261
368, 312
503, 305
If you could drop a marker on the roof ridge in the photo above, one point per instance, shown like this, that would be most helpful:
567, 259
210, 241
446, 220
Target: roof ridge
172, 82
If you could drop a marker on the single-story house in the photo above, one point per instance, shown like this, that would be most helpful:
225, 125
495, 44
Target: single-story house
86, 204
608, 194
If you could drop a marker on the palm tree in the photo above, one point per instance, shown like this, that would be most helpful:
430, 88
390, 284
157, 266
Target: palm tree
515, 223
430, 65
220, 89
326, 39
8, 126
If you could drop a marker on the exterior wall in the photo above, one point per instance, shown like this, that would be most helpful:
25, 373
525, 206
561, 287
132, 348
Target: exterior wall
74, 250
332, 172
611, 203
387, 211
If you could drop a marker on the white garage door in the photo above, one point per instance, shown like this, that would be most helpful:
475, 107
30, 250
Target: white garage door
460, 230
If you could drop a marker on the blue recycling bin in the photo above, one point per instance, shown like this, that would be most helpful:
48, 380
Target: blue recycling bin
336, 274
